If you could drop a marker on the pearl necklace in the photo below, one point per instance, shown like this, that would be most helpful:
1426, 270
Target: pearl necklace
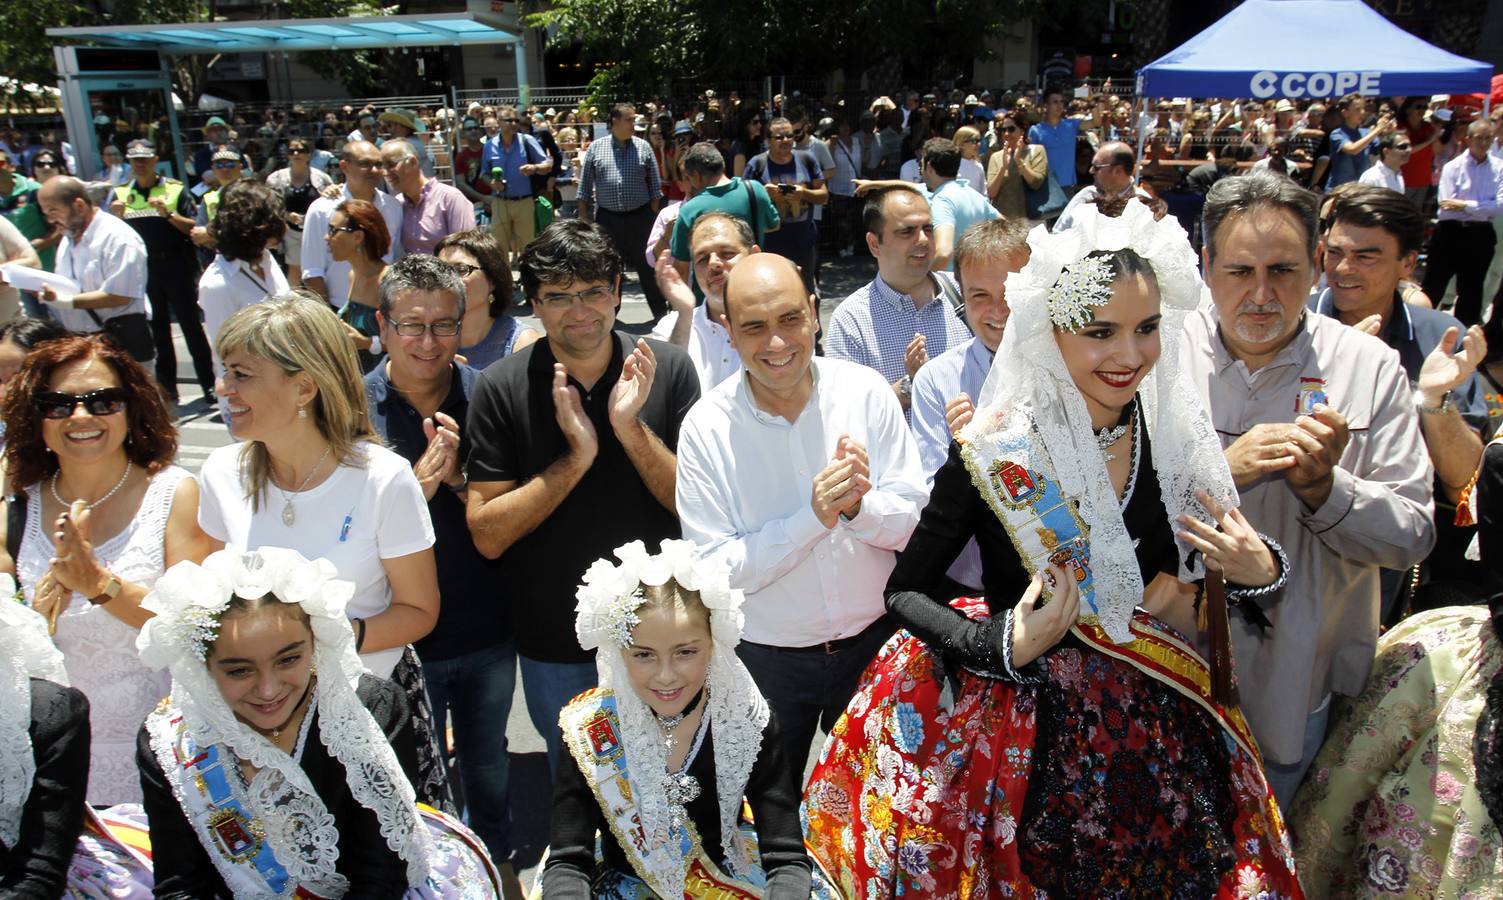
118, 485
289, 515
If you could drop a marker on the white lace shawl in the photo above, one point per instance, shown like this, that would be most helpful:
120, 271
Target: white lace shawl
298, 826
1029, 380
736, 709
26, 652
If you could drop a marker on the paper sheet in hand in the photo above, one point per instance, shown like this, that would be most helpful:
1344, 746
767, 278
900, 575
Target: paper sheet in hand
28, 279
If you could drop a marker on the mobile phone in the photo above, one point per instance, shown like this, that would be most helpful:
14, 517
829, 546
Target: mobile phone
785, 188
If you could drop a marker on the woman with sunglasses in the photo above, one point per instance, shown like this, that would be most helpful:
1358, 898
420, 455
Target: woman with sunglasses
299, 184
28, 218
358, 235
488, 332
90, 446
1014, 165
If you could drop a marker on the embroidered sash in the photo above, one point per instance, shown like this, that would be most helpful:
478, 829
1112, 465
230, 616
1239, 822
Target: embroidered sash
207, 785
1016, 479
592, 732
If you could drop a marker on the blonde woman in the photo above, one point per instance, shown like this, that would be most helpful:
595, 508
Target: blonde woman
968, 140
310, 473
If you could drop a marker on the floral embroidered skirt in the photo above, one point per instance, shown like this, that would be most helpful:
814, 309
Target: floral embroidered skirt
1103, 782
1391, 806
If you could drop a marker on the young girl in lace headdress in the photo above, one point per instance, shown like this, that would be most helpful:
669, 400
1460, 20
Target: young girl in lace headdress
278, 765
666, 748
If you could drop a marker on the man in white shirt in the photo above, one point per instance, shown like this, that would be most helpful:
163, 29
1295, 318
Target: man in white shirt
717, 241
102, 254
1113, 175
362, 168
1393, 152
802, 475
1471, 196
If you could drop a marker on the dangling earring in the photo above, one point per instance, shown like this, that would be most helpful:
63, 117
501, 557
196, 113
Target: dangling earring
302, 412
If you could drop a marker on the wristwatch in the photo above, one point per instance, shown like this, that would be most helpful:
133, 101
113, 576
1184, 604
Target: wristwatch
110, 591
1443, 407
905, 387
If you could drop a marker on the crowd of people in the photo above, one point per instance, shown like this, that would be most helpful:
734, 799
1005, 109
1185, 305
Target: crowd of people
1133, 531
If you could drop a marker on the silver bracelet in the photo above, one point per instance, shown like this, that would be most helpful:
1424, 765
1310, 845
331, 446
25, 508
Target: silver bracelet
1242, 594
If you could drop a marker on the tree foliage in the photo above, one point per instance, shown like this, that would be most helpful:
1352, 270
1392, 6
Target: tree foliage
644, 43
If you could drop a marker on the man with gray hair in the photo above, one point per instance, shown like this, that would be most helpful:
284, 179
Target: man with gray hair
431, 210
418, 397
1320, 431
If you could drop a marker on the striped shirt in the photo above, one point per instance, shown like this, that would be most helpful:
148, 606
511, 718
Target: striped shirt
619, 176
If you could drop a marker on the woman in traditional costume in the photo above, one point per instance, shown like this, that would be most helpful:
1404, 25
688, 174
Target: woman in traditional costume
667, 746
1405, 799
51, 843
278, 767
1001, 751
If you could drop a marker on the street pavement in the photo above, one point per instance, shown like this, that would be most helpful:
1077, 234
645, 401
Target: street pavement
201, 431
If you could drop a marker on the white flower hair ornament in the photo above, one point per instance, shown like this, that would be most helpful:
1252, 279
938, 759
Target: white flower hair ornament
610, 595
1084, 285
188, 601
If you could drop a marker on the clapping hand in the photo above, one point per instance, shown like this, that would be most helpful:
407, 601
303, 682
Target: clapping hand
1444, 371
578, 430
915, 355
958, 413
75, 567
629, 394
439, 463
1316, 443
839, 487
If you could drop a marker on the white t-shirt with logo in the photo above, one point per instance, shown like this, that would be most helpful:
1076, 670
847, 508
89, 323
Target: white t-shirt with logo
356, 518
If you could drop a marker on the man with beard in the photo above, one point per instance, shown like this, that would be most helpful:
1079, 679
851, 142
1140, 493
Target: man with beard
102, 254
1320, 431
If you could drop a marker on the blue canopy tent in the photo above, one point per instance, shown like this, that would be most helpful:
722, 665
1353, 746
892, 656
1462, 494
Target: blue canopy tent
1309, 48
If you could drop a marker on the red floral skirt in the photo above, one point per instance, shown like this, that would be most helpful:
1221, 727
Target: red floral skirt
1118, 777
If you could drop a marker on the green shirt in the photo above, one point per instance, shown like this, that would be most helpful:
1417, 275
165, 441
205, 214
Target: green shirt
735, 197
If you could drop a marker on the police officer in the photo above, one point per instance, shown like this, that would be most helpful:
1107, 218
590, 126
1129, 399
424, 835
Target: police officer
161, 210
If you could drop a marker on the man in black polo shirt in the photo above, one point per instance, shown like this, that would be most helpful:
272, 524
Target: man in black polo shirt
571, 454
418, 396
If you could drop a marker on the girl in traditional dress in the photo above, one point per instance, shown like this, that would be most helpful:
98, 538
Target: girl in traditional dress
278, 766
1074, 749
667, 746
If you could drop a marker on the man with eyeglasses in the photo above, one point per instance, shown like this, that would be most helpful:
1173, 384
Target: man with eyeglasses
229, 165
796, 184
572, 454
1386, 172
509, 161
161, 210
362, 168
418, 398
1113, 177
431, 210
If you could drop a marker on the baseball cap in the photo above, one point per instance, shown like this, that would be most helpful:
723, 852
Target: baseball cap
215, 120
225, 152
683, 128
140, 149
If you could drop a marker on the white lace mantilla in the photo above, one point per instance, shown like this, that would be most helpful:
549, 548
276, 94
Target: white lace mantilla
99, 650
1029, 385
296, 822
25, 653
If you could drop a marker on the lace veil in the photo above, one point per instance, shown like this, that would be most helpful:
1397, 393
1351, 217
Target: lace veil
1029, 387
26, 652
608, 600
188, 600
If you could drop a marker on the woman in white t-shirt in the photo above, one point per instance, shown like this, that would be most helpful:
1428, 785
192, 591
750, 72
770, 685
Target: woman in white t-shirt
312, 475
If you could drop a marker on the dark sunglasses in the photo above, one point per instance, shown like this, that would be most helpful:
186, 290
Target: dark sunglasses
298, 150
58, 405
349, 229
